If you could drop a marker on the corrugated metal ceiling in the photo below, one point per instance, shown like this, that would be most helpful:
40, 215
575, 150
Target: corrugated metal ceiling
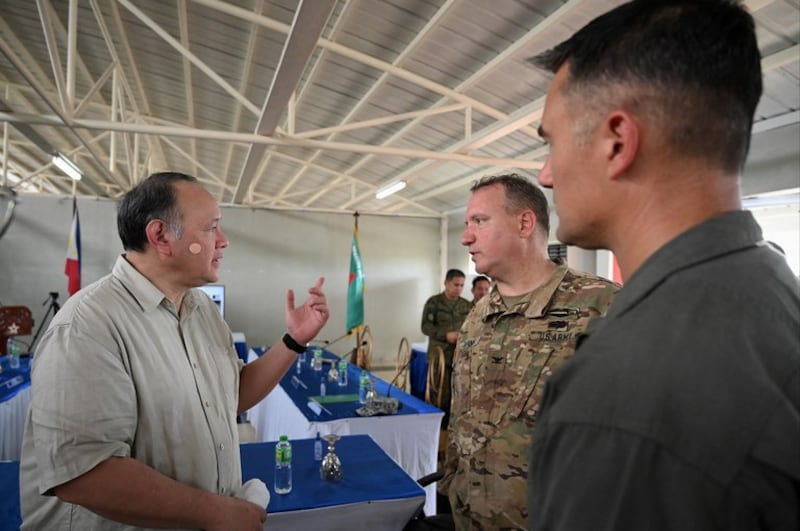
433, 92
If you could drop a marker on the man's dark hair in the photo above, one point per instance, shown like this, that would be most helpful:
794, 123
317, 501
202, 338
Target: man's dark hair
454, 273
692, 65
153, 198
478, 279
521, 194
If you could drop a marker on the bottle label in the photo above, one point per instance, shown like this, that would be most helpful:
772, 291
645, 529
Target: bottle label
283, 455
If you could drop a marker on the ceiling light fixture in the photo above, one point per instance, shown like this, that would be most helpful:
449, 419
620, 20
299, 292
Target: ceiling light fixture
389, 189
67, 166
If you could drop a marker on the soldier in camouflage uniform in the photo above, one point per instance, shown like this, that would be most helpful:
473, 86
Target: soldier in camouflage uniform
480, 288
507, 349
442, 316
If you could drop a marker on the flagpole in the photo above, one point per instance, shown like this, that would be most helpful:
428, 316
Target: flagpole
357, 350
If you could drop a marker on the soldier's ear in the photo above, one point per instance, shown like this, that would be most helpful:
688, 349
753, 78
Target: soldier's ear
526, 222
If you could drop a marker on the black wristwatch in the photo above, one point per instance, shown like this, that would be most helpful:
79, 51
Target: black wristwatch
291, 344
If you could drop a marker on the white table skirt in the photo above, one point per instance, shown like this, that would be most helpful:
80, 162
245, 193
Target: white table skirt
411, 440
382, 515
12, 424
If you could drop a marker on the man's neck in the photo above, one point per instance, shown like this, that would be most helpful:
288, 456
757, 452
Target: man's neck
531, 274
151, 269
665, 214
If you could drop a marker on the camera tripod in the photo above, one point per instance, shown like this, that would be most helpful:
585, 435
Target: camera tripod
52, 298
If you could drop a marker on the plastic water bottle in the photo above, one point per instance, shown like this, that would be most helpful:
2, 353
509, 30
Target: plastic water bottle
322, 386
363, 386
14, 350
342, 380
318, 449
283, 466
316, 362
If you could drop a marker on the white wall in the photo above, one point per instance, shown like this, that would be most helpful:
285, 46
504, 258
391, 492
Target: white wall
270, 251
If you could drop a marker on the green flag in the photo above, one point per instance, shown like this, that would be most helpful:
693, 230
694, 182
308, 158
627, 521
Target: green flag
355, 286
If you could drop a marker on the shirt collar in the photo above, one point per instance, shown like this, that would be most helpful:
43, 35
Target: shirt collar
724, 234
144, 292
534, 305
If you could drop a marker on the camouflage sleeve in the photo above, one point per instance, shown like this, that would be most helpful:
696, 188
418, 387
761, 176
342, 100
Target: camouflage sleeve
458, 407
450, 463
429, 325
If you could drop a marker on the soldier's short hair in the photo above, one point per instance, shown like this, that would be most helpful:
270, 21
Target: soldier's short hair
454, 273
521, 194
479, 278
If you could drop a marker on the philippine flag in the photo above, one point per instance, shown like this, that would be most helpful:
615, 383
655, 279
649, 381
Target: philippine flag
72, 267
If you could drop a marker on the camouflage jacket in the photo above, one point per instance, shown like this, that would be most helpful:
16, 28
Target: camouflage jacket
441, 315
503, 359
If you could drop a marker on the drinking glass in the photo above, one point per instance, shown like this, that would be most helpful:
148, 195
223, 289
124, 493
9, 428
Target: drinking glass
331, 468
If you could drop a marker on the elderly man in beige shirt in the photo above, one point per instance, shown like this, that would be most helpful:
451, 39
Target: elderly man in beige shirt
136, 383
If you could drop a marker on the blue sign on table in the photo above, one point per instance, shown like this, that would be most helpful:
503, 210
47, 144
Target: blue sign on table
303, 387
12, 381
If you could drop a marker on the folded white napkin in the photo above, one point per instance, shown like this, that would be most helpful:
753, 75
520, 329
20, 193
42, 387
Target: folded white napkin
316, 408
254, 491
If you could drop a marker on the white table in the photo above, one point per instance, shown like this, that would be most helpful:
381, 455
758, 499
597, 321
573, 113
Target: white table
411, 440
13, 408
12, 424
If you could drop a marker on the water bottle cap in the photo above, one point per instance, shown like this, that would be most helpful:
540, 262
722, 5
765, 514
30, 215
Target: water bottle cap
284, 438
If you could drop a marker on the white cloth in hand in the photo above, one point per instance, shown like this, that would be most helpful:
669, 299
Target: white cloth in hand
254, 491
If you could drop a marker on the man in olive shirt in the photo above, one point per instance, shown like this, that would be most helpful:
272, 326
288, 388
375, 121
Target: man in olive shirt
681, 408
441, 319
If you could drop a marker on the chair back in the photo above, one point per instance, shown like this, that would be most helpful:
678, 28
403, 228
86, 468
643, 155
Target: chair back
362, 354
435, 380
14, 321
401, 364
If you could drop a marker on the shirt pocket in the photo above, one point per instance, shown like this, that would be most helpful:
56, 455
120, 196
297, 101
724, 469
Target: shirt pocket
520, 384
227, 367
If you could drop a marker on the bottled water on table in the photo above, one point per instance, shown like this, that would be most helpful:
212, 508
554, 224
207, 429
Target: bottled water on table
14, 351
283, 466
342, 379
316, 362
318, 449
363, 386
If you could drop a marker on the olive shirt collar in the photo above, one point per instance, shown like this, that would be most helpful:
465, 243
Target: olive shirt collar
532, 306
724, 234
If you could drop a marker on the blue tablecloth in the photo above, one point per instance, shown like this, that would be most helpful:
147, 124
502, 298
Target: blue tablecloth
10, 518
12, 381
418, 372
293, 382
368, 474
